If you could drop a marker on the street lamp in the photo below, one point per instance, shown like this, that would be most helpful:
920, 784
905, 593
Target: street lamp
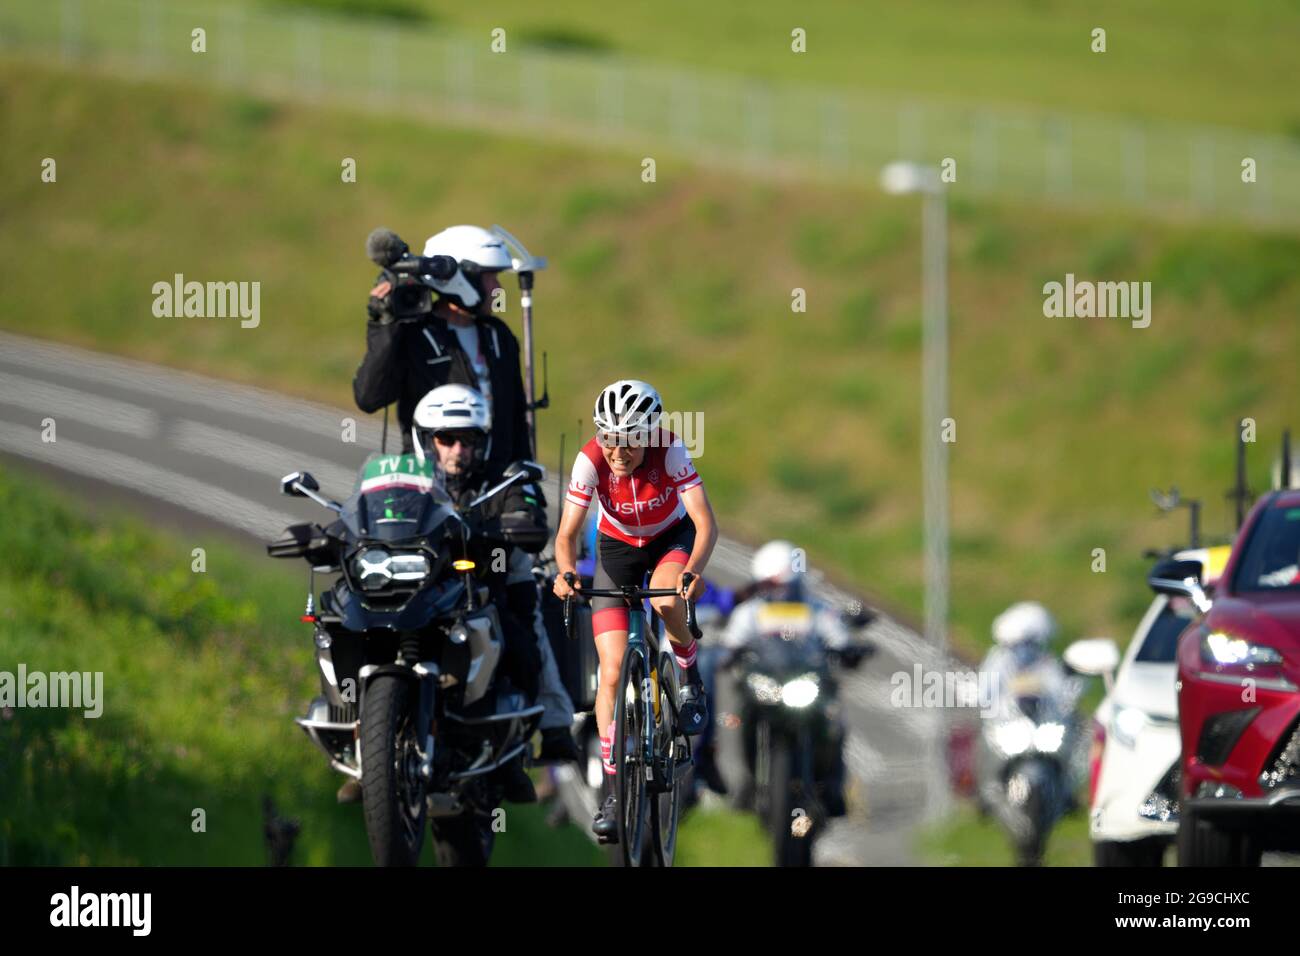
900, 179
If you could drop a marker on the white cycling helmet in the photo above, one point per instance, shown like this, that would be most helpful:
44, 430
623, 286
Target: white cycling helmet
477, 250
773, 562
627, 406
1025, 622
448, 408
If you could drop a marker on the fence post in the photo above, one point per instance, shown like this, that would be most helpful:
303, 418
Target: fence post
307, 41
1058, 157
1202, 172
70, 29
984, 150
1135, 164
231, 40
911, 132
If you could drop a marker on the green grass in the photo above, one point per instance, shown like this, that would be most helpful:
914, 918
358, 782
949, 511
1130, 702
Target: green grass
1190, 60
202, 675
966, 839
811, 418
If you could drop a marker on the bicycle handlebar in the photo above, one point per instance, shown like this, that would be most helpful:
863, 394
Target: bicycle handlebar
629, 593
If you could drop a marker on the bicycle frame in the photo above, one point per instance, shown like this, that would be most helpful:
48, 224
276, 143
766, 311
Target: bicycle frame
643, 646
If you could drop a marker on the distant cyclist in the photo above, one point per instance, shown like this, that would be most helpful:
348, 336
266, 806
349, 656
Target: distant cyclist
655, 519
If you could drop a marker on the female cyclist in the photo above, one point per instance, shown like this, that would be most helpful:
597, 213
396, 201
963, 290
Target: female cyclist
654, 519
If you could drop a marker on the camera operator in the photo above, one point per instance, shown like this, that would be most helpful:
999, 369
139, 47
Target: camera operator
414, 345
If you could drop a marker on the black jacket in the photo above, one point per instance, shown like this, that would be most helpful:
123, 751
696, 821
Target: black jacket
516, 516
405, 360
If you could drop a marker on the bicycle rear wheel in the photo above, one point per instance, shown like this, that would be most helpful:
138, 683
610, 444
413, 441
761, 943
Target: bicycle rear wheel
672, 756
630, 725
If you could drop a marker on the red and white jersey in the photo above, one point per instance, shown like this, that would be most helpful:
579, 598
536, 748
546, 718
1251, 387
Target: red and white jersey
638, 508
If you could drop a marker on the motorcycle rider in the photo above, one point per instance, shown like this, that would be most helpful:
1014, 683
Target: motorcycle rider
777, 576
461, 341
1019, 669
452, 425
655, 518
1022, 636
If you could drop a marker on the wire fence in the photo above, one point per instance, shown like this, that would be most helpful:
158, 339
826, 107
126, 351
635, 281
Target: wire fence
739, 123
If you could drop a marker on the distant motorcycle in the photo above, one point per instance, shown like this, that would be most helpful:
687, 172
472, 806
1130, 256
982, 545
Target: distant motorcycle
791, 734
408, 646
1027, 767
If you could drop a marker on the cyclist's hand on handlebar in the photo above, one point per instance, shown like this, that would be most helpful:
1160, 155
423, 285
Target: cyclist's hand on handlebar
563, 588
690, 585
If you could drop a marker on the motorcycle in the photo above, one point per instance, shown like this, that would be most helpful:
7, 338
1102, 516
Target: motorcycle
792, 739
1028, 761
408, 645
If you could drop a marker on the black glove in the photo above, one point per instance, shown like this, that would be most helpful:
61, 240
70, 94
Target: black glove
380, 305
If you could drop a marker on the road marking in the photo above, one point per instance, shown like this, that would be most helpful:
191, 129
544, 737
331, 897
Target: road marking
58, 401
172, 385
170, 486
259, 457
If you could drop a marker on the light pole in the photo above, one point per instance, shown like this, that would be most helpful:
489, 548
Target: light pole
904, 178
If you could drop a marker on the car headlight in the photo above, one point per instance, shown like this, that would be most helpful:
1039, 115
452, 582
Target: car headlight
1128, 723
800, 692
764, 688
1049, 737
1013, 737
376, 569
1220, 648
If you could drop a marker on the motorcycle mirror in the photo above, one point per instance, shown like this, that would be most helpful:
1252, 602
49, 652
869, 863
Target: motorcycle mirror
1094, 656
861, 618
293, 483
532, 469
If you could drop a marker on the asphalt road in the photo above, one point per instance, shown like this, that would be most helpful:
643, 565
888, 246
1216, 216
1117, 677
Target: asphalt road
206, 456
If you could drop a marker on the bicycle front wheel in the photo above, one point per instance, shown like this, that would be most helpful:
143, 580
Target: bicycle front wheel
631, 723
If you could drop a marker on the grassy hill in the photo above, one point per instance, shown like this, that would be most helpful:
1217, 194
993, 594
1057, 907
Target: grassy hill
811, 419
1193, 60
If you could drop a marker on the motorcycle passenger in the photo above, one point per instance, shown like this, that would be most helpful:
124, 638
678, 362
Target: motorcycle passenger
452, 426
655, 519
460, 342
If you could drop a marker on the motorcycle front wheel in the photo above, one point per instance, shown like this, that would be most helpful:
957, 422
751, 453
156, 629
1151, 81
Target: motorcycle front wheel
464, 840
789, 802
391, 788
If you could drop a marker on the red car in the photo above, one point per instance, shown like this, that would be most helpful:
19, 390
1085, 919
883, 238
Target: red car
1239, 694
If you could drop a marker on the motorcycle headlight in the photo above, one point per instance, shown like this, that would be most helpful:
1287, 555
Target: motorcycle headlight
376, 569
764, 688
1128, 723
1049, 737
1013, 737
1220, 648
800, 692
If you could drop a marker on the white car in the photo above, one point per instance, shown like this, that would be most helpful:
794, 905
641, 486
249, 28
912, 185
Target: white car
1134, 765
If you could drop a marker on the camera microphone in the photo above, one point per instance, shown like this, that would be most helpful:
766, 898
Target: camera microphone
386, 249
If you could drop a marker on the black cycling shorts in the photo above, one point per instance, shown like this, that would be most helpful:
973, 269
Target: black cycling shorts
619, 564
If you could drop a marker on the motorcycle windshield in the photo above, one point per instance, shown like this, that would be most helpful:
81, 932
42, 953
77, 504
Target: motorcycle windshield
783, 658
397, 497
